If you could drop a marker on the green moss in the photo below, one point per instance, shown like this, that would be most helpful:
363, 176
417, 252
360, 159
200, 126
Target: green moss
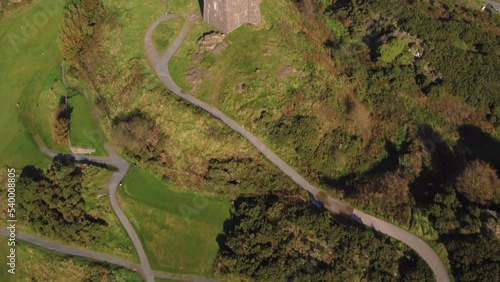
390, 51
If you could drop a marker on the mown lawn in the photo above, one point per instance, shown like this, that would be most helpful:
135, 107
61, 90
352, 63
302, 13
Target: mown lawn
38, 264
178, 229
28, 56
84, 130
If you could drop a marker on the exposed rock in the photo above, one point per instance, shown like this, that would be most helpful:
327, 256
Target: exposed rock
197, 57
212, 41
286, 69
240, 87
194, 76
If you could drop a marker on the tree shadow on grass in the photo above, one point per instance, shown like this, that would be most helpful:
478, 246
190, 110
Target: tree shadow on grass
447, 163
67, 160
202, 6
444, 167
348, 183
478, 144
32, 172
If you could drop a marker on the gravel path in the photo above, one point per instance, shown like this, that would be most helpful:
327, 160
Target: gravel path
160, 64
98, 256
115, 161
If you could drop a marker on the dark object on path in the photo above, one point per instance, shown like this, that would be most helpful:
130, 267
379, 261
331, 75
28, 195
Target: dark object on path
317, 204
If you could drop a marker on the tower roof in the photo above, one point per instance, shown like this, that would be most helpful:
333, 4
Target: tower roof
228, 15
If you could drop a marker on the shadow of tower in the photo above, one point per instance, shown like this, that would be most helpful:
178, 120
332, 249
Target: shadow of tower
202, 6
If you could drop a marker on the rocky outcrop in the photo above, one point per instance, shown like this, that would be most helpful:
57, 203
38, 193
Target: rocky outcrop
212, 41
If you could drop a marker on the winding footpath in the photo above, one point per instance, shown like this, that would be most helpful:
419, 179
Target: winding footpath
98, 256
115, 161
122, 168
160, 64
72, 251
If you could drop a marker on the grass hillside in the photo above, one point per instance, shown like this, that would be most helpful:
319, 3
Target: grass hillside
387, 109
193, 141
29, 54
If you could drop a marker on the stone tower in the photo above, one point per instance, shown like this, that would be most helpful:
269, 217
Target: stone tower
228, 15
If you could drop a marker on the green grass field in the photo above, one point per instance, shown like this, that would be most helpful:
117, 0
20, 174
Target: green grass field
166, 32
178, 229
37, 264
23, 73
84, 130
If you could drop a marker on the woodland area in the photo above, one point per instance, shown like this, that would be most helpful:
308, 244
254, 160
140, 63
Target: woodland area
51, 202
281, 238
418, 143
443, 160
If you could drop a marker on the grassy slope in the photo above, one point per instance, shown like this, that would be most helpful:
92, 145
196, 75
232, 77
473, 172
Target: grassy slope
32, 79
83, 127
194, 137
115, 240
177, 229
165, 33
36, 264
255, 56
50, 96
23, 73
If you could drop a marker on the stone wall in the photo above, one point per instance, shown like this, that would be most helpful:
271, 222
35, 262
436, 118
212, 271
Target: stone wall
228, 15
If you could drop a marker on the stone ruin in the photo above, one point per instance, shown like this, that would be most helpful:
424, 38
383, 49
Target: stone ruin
228, 15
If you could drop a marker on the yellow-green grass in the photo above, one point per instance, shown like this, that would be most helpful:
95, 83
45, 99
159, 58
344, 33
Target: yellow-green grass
84, 129
194, 137
115, 241
123, 44
254, 57
178, 229
50, 97
165, 32
182, 60
37, 264
24, 71
183, 6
